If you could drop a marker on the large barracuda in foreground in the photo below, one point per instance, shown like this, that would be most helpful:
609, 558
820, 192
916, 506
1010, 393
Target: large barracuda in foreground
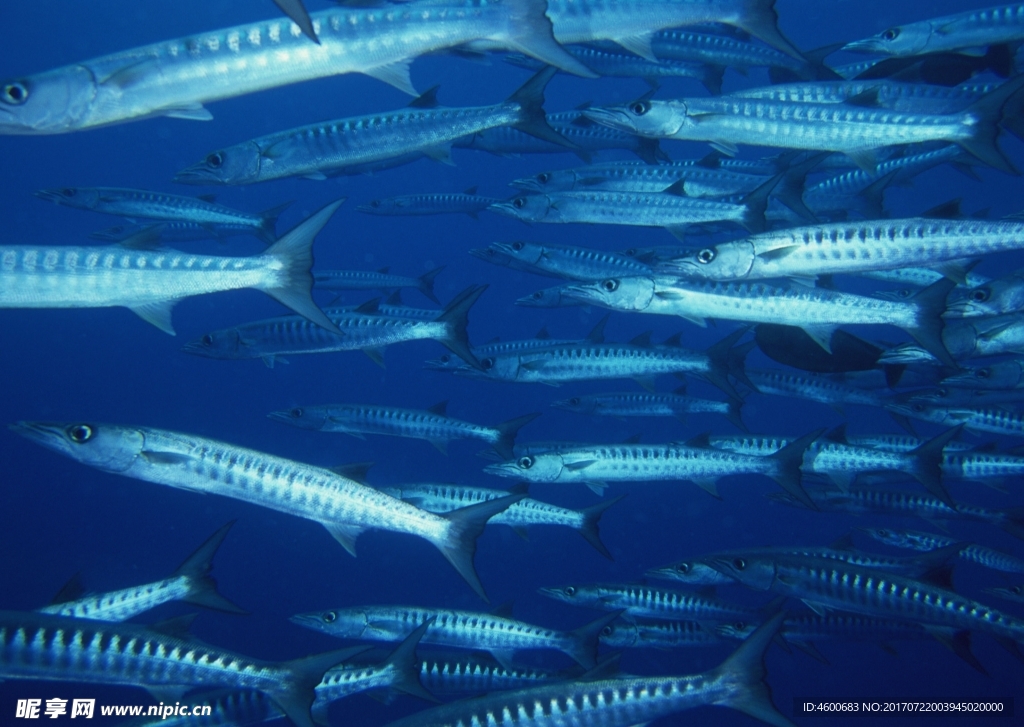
57, 648
972, 29
175, 78
501, 635
319, 150
190, 583
150, 282
343, 506
850, 248
619, 702
854, 130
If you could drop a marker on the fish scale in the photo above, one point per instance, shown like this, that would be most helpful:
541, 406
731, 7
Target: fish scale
122, 605
464, 674
627, 177
647, 602
971, 29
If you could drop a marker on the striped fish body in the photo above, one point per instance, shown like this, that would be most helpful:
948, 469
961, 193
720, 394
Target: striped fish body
617, 64
55, 648
634, 178
994, 420
971, 29
340, 683
845, 248
901, 503
918, 278
125, 603
647, 602
634, 634
981, 466
633, 404
719, 50
925, 542
871, 593
900, 442
560, 261
457, 674
909, 98
174, 78
428, 204
172, 231
362, 280
606, 361
811, 388
838, 627
621, 208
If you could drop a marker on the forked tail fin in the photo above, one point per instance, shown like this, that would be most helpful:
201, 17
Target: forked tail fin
202, 586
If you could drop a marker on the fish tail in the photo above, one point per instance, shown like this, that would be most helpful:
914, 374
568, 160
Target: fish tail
725, 360
456, 316
268, 223
712, 77
531, 32
928, 464
507, 432
591, 519
586, 638
532, 118
466, 524
758, 17
790, 190
789, 460
931, 304
407, 666
873, 195
203, 588
756, 204
648, 150
295, 252
745, 670
426, 284
295, 695
988, 111
733, 414
295, 10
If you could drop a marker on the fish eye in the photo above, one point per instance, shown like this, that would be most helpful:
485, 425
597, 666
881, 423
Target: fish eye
445, 359
539, 295
917, 407
517, 246
543, 177
329, 617
610, 285
891, 34
606, 631
631, 252
574, 401
683, 568
739, 563
215, 160
80, 433
570, 591
519, 202
207, 340
706, 255
640, 108
296, 412
980, 295
487, 363
526, 463
740, 626
15, 93
1016, 589
942, 392
983, 373
884, 533
375, 203
68, 192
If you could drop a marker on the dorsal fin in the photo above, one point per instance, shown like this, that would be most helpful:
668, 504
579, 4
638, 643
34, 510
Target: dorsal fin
843, 543
70, 591
946, 211
643, 340
677, 189
355, 471
470, 190
148, 238
177, 626
370, 306
395, 299
504, 610
440, 408
520, 488
676, 339
596, 334
837, 434
542, 334
426, 100
867, 99
680, 390
607, 667
702, 440
634, 439
384, 270
712, 160
211, 198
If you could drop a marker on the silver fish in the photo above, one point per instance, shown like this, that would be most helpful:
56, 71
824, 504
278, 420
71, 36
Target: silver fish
998, 375
971, 29
464, 673
466, 203
559, 261
633, 404
925, 542
635, 633
647, 602
343, 506
376, 280
175, 78
151, 282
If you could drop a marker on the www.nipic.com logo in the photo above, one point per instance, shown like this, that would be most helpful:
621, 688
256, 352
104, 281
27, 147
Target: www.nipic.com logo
86, 708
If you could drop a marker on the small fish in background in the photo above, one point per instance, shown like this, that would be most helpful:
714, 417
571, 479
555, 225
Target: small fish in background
971, 29
466, 203
382, 279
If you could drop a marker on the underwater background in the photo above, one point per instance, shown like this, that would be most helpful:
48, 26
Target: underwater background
58, 518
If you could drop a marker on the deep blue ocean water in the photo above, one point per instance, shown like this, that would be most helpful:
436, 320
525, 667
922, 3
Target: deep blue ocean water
58, 518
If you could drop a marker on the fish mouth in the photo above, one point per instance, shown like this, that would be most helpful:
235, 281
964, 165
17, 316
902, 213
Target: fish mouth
197, 174
528, 183
502, 469
866, 45
582, 292
51, 195
368, 208
504, 208
555, 593
307, 620
282, 416
46, 433
486, 253
612, 118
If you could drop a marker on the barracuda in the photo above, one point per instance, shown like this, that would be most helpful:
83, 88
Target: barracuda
841, 462
1012, 593
367, 328
317, 150
647, 602
910, 98
972, 29
190, 583
167, 232
560, 261
376, 280
692, 573
597, 465
554, 365
907, 504
459, 674
850, 248
995, 420
632, 23
738, 683
721, 50
151, 282
462, 629
467, 203
999, 375
919, 278
853, 130
697, 181
136, 203
992, 298
817, 311
632, 404
812, 388
548, 298
670, 209
175, 78
615, 64
827, 584
55, 648
519, 516
433, 425
640, 634
925, 542
343, 506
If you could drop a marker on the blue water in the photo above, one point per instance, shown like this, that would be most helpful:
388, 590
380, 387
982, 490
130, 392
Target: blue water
58, 518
